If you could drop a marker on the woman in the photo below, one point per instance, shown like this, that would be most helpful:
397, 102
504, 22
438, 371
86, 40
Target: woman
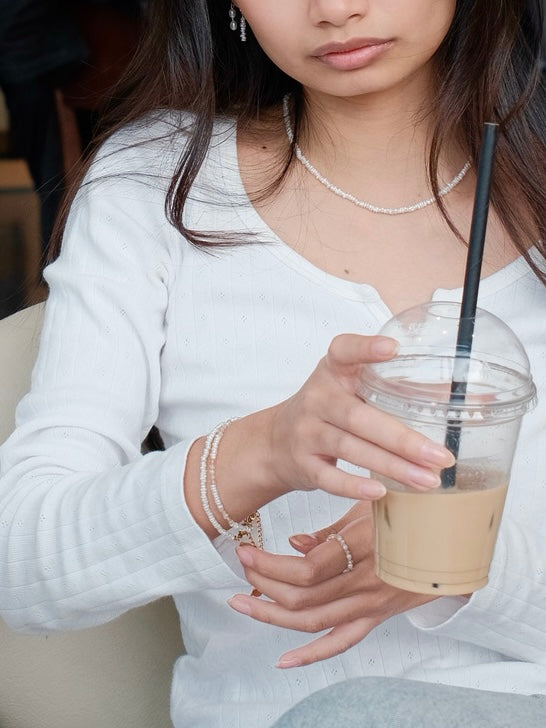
212, 263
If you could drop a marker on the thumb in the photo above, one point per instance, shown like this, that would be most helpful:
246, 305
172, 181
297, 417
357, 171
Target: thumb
305, 542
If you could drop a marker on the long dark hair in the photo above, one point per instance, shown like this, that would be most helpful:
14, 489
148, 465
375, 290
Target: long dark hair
488, 69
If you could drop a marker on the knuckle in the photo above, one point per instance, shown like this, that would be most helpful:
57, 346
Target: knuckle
309, 573
309, 402
264, 616
321, 478
354, 417
315, 623
405, 442
313, 569
336, 346
343, 646
295, 601
343, 443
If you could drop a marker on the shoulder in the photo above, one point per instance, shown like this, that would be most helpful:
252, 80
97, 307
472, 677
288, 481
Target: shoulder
137, 163
151, 148
121, 202
147, 148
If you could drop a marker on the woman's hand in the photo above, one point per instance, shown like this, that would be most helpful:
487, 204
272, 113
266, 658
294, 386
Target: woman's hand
326, 421
295, 445
310, 593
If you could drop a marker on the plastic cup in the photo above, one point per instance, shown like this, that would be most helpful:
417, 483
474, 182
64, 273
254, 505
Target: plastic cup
442, 541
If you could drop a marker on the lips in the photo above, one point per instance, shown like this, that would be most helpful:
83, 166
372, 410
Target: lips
349, 45
352, 54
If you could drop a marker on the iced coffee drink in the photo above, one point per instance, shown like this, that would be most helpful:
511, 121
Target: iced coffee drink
418, 534
442, 541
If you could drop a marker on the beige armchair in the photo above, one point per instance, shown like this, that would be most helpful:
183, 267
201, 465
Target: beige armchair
113, 676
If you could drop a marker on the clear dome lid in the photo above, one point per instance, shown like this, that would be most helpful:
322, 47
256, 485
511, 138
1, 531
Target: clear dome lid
493, 380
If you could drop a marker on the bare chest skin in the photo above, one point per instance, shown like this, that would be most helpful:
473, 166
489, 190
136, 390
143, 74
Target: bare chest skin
404, 257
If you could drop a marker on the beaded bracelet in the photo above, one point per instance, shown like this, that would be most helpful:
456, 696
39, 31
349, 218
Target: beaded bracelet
218, 434
252, 522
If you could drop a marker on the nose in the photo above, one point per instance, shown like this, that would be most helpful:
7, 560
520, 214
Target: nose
337, 12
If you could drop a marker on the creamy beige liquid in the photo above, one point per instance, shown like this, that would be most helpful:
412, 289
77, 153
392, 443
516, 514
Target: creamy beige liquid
439, 542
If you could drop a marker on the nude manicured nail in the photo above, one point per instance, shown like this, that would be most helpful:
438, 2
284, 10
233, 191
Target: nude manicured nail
303, 541
289, 662
383, 346
436, 454
425, 478
240, 604
244, 554
372, 490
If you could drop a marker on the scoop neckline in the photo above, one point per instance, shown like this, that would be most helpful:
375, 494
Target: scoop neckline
363, 292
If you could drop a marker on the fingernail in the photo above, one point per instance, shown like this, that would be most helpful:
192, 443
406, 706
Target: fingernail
240, 604
289, 662
372, 490
384, 346
436, 454
426, 478
303, 540
244, 554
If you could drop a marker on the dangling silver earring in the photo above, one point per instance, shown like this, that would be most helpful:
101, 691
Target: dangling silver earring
232, 15
233, 23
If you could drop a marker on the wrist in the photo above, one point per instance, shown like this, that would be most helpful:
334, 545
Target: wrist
247, 459
243, 471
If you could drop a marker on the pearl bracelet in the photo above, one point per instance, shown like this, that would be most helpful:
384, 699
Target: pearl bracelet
212, 470
244, 531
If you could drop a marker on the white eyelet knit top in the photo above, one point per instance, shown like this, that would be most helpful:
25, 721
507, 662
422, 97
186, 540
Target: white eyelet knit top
141, 328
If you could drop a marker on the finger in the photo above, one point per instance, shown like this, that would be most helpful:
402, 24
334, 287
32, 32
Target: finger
350, 350
354, 570
352, 415
343, 599
312, 619
305, 542
338, 640
293, 570
298, 598
339, 444
325, 475
326, 561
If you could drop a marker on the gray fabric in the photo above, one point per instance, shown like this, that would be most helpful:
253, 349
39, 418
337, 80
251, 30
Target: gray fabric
393, 703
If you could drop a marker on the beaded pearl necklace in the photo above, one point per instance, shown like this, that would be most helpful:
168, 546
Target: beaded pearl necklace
347, 195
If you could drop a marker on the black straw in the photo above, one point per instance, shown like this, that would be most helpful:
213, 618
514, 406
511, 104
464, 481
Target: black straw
471, 285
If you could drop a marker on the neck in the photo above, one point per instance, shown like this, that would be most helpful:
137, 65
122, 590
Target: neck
377, 143
361, 126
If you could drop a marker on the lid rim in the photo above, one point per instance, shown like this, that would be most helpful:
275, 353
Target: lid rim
468, 413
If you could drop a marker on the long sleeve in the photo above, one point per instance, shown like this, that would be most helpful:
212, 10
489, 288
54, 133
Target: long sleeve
88, 526
509, 614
